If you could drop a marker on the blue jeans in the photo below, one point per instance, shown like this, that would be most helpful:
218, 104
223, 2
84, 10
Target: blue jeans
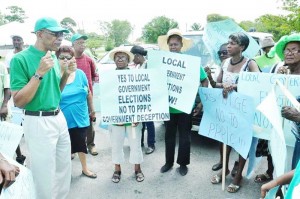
151, 133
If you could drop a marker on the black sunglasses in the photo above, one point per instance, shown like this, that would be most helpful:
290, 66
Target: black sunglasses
62, 57
222, 52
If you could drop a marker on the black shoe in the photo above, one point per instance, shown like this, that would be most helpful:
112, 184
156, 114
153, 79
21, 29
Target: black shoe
150, 149
217, 167
166, 168
21, 159
183, 170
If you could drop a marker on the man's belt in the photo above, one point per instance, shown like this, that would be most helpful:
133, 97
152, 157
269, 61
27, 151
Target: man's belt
42, 113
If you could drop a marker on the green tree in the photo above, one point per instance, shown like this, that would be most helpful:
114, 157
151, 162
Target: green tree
2, 20
293, 18
16, 14
156, 27
69, 24
196, 26
247, 25
116, 32
216, 17
277, 25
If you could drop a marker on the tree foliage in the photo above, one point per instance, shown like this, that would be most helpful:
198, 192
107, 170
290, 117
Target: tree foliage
116, 32
156, 27
16, 14
196, 26
216, 17
69, 24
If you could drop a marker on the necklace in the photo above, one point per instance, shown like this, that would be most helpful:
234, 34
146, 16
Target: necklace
242, 58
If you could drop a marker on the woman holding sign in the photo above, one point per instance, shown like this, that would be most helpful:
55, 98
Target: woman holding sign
227, 79
175, 42
132, 131
76, 104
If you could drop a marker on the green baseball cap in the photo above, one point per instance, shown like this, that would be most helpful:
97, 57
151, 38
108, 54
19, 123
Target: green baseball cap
49, 24
78, 36
283, 41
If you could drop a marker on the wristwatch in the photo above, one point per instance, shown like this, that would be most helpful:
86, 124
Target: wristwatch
37, 76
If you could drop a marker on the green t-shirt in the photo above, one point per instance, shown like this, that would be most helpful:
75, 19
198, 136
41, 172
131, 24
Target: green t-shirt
23, 66
263, 61
203, 76
294, 187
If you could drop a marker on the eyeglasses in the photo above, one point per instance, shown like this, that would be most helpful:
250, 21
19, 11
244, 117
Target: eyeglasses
63, 57
80, 43
123, 58
222, 52
173, 44
54, 34
294, 51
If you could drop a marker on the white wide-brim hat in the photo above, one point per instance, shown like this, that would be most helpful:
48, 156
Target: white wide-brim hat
121, 50
163, 40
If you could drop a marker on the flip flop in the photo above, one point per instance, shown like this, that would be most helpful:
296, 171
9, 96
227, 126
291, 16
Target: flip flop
116, 177
232, 188
216, 179
93, 175
139, 176
261, 178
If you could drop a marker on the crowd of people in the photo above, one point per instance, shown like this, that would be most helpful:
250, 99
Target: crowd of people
55, 91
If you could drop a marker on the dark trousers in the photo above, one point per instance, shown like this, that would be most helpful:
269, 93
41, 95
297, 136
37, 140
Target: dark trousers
183, 123
151, 133
270, 165
90, 135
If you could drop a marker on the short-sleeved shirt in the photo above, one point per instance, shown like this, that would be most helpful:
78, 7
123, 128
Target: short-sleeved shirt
8, 58
88, 66
264, 62
74, 101
4, 81
23, 66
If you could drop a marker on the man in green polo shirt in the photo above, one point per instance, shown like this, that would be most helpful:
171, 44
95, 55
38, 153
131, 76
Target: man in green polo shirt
36, 85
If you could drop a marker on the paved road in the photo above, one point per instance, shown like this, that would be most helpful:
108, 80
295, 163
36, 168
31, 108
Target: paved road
196, 184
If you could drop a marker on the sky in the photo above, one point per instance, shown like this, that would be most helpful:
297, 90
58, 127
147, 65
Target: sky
86, 13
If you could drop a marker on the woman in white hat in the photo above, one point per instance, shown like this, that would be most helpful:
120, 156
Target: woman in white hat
118, 132
175, 42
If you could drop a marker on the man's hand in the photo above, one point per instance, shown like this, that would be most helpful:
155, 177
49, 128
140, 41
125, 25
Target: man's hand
290, 113
46, 64
198, 109
3, 112
8, 173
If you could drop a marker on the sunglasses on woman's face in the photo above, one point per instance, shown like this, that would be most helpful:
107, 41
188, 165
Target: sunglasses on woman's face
222, 52
63, 57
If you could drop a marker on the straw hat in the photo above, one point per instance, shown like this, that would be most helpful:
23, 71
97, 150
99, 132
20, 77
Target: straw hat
121, 50
163, 39
267, 42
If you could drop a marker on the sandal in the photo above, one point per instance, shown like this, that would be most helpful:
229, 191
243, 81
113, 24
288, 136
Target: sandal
235, 169
232, 188
216, 179
139, 176
262, 178
217, 167
116, 177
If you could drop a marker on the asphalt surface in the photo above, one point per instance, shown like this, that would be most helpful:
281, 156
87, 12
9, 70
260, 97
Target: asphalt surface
196, 184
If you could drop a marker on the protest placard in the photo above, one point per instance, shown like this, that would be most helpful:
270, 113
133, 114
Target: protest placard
10, 136
217, 33
258, 85
129, 96
183, 74
227, 120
